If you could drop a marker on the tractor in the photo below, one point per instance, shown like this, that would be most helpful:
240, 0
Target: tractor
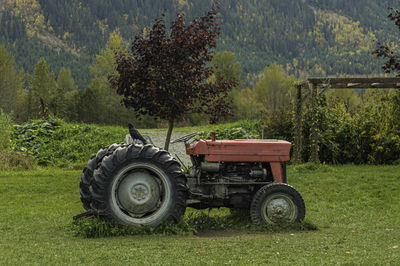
135, 183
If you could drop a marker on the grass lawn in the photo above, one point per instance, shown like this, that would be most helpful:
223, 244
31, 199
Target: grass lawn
356, 210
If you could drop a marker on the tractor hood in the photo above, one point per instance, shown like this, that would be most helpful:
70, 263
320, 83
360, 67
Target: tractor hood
241, 150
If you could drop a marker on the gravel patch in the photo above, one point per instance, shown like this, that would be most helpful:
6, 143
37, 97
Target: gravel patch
158, 138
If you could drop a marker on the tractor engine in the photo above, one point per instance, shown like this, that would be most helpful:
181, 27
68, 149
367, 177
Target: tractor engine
234, 172
229, 184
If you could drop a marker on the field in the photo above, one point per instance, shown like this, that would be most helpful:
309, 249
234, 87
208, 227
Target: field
355, 208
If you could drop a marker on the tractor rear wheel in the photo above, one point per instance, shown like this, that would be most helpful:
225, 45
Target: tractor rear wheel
277, 203
87, 174
139, 185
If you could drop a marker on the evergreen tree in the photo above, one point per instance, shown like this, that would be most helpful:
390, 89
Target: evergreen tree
64, 100
107, 108
43, 88
11, 81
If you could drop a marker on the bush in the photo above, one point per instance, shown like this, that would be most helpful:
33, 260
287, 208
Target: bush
10, 160
5, 131
237, 130
31, 137
56, 143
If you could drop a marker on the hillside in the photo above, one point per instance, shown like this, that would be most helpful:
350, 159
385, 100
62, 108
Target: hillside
307, 37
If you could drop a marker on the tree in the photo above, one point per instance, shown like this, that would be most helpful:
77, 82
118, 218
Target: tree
274, 90
43, 87
109, 109
224, 66
245, 105
164, 75
392, 63
11, 81
63, 101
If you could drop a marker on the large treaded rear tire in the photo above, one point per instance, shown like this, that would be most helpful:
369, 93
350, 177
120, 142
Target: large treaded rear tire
87, 174
139, 185
277, 203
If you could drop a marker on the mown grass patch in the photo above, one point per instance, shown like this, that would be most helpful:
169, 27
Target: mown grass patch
354, 207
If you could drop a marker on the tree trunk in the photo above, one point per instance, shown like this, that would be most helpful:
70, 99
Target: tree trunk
169, 133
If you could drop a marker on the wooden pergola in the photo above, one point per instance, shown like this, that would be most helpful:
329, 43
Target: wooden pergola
317, 87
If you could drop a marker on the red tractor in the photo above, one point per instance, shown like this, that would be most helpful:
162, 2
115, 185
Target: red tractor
141, 184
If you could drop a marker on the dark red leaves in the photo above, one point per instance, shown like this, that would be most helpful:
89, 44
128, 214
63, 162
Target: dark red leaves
165, 75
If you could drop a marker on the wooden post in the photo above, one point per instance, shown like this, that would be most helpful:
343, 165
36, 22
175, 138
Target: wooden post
314, 125
298, 140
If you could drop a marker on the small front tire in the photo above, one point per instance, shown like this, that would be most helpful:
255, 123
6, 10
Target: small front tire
277, 203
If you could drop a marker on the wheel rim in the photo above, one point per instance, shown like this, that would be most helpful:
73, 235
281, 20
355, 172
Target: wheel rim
279, 208
140, 193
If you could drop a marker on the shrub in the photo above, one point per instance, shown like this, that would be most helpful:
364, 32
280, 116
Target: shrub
5, 130
56, 143
238, 130
10, 160
30, 138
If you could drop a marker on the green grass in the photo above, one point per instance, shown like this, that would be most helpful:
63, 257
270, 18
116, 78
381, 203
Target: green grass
356, 210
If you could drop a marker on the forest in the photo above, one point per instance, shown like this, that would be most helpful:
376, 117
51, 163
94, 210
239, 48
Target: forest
56, 58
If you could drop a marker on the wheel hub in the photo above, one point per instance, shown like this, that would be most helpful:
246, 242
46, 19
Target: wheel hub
279, 208
138, 192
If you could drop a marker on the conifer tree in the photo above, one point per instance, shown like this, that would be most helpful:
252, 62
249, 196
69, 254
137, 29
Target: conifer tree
11, 80
43, 86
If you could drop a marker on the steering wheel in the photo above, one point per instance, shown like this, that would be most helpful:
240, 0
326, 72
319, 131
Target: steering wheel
185, 138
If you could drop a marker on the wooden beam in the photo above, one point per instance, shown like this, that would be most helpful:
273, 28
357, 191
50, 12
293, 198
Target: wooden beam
361, 83
319, 81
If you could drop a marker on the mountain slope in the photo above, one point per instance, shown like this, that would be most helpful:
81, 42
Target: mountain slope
308, 37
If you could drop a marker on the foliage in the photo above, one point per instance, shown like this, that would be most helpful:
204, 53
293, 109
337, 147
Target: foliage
245, 105
99, 102
64, 103
11, 81
5, 131
388, 52
43, 87
369, 135
271, 101
323, 37
31, 137
10, 160
225, 68
274, 91
227, 133
238, 130
164, 74
54, 142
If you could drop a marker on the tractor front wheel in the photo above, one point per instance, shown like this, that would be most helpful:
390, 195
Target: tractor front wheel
277, 203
